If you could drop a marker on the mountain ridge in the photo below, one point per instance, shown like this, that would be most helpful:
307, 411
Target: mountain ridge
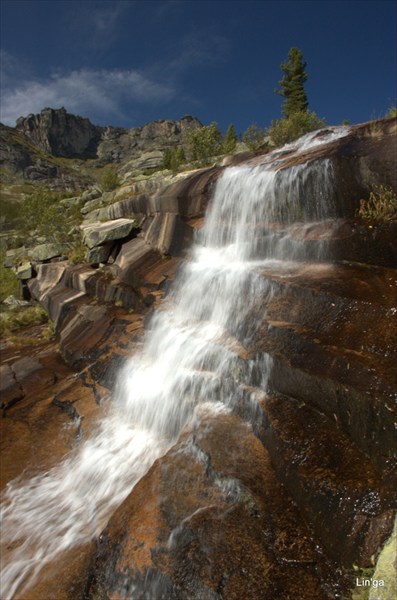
31, 149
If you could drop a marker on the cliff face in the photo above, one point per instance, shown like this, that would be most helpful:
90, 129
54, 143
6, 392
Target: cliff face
59, 133
120, 144
21, 157
37, 147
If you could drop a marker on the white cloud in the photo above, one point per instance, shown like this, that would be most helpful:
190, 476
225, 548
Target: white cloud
85, 92
109, 96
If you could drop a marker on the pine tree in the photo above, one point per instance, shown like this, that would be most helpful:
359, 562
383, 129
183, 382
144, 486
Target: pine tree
230, 140
255, 137
292, 84
173, 158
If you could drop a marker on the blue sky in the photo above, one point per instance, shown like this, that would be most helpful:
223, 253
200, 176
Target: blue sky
125, 63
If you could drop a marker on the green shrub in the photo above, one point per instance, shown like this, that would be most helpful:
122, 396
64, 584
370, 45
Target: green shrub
109, 180
17, 318
77, 254
9, 284
392, 112
381, 207
255, 137
173, 158
40, 213
283, 131
203, 143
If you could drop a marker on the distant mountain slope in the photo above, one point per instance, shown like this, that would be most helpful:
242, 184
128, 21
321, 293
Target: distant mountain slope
37, 147
59, 133
20, 158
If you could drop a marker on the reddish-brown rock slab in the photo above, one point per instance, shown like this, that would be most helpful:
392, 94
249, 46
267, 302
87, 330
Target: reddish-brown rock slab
332, 333
335, 485
37, 434
27, 368
211, 521
66, 578
54, 411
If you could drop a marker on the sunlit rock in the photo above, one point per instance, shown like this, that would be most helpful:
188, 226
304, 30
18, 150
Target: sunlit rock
98, 234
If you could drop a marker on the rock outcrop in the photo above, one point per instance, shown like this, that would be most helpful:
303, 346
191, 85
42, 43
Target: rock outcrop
59, 133
56, 132
46, 149
20, 156
142, 147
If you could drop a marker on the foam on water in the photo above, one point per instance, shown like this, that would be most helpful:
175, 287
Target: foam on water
190, 362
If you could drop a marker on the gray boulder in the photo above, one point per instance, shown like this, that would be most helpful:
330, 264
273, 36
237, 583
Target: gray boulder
97, 234
46, 251
25, 271
98, 254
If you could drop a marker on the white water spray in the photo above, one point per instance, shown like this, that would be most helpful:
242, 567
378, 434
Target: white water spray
192, 359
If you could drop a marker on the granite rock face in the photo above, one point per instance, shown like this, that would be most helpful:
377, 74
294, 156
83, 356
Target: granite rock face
21, 156
59, 133
141, 147
31, 148
281, 495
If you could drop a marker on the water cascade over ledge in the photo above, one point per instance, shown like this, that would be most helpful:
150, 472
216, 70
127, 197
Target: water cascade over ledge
191, 364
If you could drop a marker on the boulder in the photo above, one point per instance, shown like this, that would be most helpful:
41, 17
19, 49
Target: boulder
44, 252
99, 254
97, 203
124, 208
13, 302
188, 196
98, 234
13, 255
48, 276
25, 271
25, 366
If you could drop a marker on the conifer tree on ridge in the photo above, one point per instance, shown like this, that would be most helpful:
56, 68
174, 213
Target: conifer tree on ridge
292, 84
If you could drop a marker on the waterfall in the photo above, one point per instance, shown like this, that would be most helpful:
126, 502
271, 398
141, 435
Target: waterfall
193, 360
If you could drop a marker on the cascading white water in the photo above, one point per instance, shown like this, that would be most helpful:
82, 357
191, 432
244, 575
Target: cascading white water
191, 359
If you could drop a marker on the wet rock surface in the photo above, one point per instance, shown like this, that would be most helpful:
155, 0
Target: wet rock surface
277, 497
202, 524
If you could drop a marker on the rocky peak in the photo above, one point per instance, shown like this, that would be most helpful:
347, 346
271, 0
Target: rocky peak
59, 133
119, 144
167, 128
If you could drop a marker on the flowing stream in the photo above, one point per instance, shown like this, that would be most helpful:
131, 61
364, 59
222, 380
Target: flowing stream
192, 360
